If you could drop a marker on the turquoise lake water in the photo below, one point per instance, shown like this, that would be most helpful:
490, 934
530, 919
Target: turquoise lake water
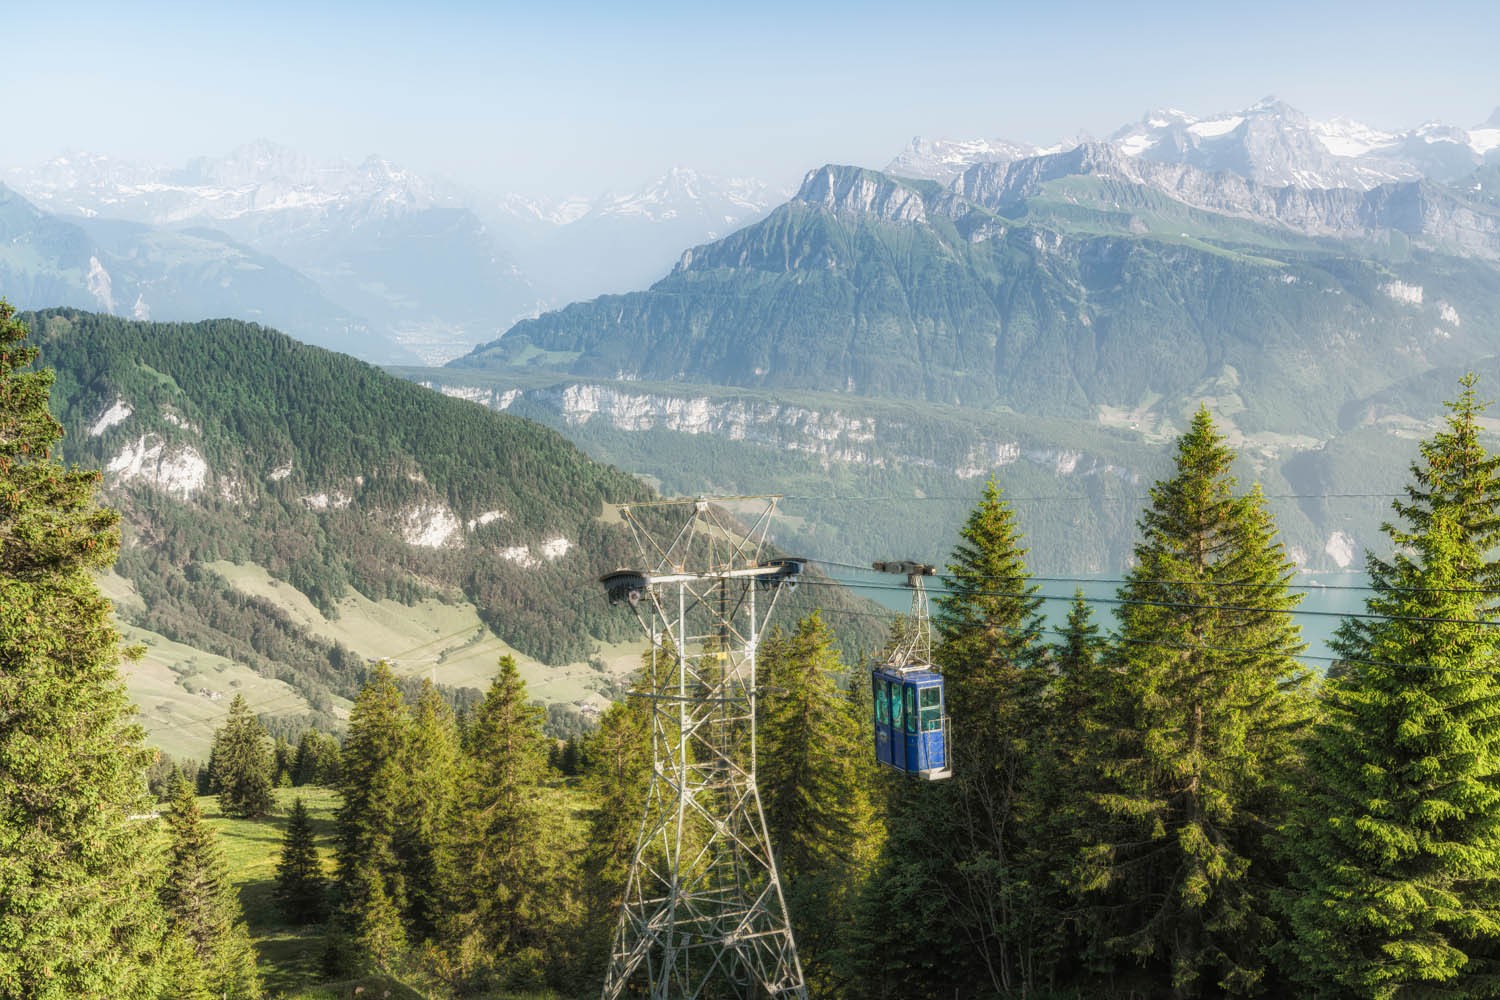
1327, 596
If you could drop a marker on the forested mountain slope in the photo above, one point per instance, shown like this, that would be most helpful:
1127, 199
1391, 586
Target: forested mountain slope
1050, 320
1066, 295
229, 445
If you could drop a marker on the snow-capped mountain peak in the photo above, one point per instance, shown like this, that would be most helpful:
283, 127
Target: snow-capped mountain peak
257, 179
944, 159
1269, 142
682, 192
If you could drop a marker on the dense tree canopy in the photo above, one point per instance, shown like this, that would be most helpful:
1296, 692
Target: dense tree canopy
79, 915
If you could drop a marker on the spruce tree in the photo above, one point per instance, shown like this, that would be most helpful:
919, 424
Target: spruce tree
371, 886
516, 897
1214, 700
1061, 817
427, 834
819, 805
948, 909
1395, 884
202, 907
616, 762
301, 889
242, 763
79, 914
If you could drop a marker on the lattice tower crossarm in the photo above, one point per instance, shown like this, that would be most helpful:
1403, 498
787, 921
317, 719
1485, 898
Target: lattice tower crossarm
703, 914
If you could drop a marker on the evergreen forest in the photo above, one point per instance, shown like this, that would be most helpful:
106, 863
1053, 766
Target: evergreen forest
1163, 803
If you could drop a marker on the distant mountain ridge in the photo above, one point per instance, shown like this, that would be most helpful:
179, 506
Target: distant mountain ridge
1269, 142
142, 272
1057, 285
1094, 296
425, 269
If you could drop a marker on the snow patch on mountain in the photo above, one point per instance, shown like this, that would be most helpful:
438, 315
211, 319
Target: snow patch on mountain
259, 178
117, 413
944, 159
1215, 127
1270, 143
179, 471
554, 549
1449, 314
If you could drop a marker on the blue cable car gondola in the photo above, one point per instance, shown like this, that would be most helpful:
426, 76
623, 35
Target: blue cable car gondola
911, 721
910, 711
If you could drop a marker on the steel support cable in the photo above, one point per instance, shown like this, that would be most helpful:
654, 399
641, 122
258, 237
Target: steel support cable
1184, 647
865, 568
1176, 605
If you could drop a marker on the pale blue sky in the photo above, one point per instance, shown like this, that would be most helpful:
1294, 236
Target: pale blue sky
578, 97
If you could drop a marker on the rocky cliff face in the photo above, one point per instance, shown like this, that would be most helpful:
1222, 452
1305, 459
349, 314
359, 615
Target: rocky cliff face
865, 192
1437, 216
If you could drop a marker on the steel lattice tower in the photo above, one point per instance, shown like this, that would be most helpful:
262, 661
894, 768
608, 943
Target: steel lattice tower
703, 914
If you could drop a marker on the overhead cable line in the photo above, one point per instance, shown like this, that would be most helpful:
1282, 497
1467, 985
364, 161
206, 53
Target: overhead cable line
1188, 647
1178, 605
969, 498
1117, 581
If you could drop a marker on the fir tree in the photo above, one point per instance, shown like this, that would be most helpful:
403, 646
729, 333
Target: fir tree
242, 763
1214, 701
990, 648
317, 760
1395, 885
616, 762
370, 881
301, 888
948, 910
819, 807
516, 896
79, 915
202, 907
283, 762
426, 837
1079, 736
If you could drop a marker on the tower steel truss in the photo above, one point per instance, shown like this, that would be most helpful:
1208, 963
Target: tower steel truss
703, 914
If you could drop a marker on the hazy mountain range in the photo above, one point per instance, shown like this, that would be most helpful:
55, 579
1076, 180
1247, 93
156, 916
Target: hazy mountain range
1269, 142
1051, 319
422, 269
373, 259
980, 307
